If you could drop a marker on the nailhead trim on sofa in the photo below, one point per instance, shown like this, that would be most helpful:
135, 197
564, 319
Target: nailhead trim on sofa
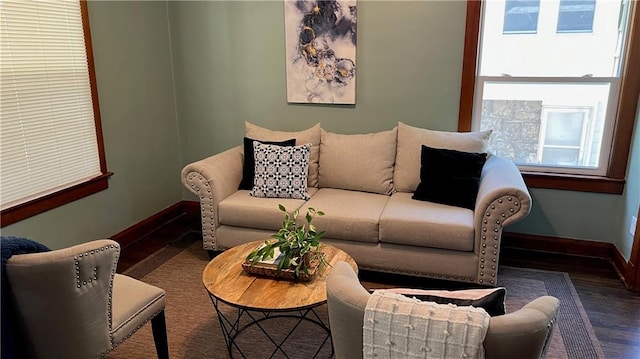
198, 184
495, 217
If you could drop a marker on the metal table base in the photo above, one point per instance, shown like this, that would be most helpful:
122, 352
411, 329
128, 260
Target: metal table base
235, 324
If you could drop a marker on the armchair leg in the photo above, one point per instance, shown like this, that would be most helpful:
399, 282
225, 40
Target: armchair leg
159, 328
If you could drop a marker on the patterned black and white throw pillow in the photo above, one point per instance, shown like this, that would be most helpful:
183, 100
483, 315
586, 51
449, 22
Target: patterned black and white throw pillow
281, 172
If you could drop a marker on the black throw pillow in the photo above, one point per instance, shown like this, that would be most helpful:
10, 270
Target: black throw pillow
491, 299
449, 177
248, 167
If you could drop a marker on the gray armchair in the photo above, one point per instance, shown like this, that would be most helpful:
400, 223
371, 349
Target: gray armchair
523, 334
70, 303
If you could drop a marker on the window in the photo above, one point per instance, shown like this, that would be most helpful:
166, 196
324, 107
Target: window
52, 150
520, 16
561, 107
576, 15
525, 116
564, 137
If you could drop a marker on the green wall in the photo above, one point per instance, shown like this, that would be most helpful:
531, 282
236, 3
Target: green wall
631, 195
227, 59
134, 77
229, 66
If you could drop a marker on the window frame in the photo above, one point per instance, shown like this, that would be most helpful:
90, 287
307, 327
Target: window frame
613, 181
67, 195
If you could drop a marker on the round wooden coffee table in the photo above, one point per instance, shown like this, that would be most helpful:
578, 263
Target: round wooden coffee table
261, 298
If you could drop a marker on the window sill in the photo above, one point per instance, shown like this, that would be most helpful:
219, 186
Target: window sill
579, 183
57, 199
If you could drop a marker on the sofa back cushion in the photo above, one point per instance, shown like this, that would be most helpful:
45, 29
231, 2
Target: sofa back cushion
406, 175
362, 162
310, 135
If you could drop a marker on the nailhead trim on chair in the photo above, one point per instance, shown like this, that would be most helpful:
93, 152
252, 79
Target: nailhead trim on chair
115, 344
140, 311
80, 283
198, 186
113, 275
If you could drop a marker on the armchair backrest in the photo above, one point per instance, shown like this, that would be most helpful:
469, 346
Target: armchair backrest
523, 334
63, 298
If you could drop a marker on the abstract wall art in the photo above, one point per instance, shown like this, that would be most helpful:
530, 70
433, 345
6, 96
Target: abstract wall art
321, 51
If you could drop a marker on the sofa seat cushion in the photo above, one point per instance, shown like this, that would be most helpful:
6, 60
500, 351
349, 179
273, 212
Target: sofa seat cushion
242, 210
348, 215
426, 224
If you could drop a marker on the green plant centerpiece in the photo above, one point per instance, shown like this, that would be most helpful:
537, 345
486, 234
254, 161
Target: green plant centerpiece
298, 244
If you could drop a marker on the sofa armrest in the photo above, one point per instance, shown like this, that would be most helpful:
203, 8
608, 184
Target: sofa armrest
213, 179
502, 199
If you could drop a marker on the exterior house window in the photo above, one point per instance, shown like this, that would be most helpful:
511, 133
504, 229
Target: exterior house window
52, 150
564, 137
551, 100
486, 101
576, 16
520, 16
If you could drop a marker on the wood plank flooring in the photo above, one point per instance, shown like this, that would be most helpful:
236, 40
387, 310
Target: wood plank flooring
613, 311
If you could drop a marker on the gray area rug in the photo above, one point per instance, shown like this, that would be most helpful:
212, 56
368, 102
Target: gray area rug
574, 336
194, 330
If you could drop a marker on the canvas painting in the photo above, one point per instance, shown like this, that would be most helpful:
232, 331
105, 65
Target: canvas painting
321, 51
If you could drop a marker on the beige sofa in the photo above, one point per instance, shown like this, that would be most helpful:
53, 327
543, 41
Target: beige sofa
364, 183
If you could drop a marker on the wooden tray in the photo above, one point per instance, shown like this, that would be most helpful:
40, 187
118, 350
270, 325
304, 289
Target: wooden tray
288, 274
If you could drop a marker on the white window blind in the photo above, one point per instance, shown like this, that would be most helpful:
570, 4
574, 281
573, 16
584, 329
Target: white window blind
48, 136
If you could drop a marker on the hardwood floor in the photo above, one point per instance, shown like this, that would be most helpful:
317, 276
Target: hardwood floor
157, 240
613, 311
